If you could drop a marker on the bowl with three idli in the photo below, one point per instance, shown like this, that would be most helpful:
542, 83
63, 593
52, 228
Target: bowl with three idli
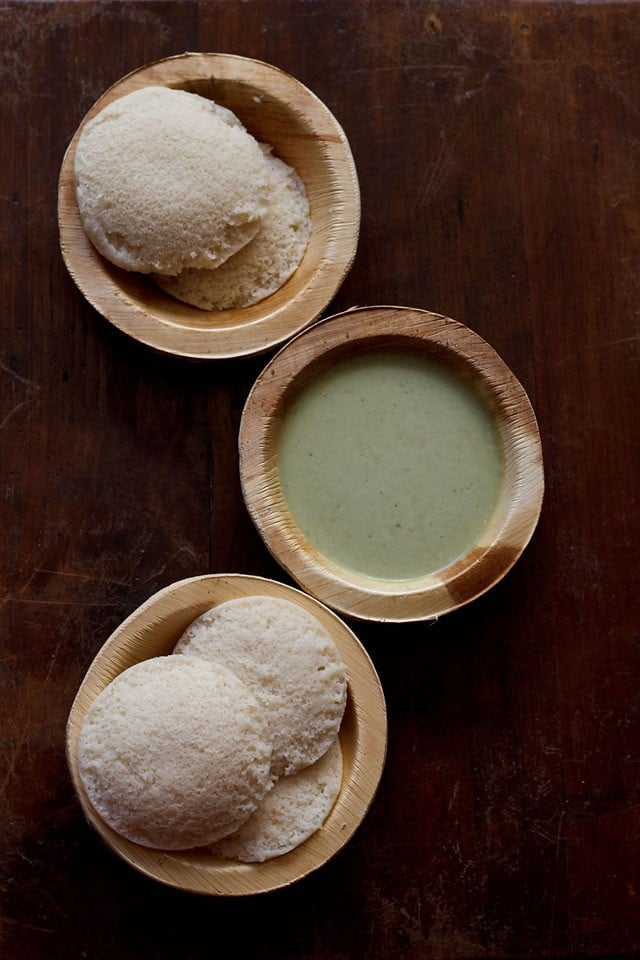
229, 737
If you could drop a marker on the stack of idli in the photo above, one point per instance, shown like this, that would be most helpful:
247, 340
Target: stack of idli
230, 743
171, 184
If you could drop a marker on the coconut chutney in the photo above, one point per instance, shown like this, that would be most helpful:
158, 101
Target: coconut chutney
390, 464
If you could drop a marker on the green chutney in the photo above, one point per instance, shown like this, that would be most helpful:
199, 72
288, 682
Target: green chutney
390, 464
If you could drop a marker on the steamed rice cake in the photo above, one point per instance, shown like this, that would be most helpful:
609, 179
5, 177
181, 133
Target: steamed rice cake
265, 263
175, 753
290, 813
288, 660
167, 179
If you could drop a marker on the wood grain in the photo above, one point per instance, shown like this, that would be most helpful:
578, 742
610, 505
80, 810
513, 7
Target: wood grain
496, 150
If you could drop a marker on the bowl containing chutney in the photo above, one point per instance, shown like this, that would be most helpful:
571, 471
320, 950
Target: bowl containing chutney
278, 110
391, 462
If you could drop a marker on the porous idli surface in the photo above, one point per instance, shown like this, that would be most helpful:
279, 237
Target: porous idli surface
291, 664
290, 813
167, 179
266, 263
175, 753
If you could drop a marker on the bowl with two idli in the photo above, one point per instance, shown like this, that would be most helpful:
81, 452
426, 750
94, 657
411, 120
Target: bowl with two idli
209, 206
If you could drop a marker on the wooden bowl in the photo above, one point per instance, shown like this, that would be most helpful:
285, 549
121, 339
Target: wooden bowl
153, 630
276, 109
464, 353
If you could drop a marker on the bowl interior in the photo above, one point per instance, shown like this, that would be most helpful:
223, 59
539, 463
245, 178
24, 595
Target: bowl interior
153, 630
470, 358
279, 110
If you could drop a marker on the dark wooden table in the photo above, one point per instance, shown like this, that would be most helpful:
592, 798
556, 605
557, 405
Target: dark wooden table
498, 150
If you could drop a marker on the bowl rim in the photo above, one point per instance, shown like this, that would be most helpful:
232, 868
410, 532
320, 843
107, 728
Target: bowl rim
364, 742
519, 504
169, 326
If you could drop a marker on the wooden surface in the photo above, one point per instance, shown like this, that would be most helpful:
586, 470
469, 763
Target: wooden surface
497, 147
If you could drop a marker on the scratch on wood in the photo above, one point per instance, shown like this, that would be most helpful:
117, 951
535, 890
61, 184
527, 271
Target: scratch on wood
61, 603
26, 926
560, 838
31, 388
442, 161
161, 569
80, 576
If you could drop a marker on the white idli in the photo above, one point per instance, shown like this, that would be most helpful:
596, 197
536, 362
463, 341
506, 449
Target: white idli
288, 660
290, 813
167, 179
266, 263
175, 753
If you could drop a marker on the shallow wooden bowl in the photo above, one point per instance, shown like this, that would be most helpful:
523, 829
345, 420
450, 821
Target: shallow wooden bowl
153, 630
276, 109
463, 352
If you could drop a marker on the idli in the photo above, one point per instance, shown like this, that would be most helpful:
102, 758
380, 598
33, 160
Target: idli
289, 662
175, 753
266, 263
167, 179
290, 813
